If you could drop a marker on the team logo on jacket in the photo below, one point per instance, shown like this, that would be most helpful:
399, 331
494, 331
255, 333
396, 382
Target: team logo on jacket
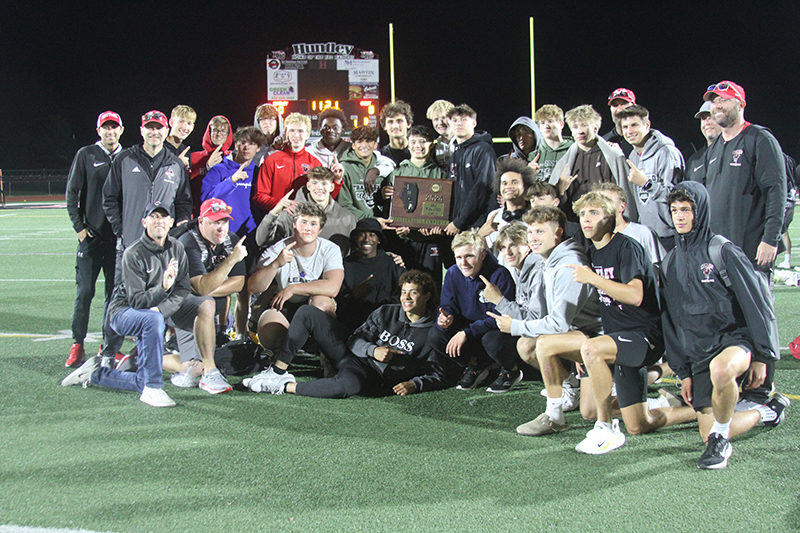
708, 271
306, 167
736, 155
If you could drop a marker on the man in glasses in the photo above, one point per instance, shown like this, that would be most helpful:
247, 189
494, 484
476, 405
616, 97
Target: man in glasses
617, 101
745, 175
140, 175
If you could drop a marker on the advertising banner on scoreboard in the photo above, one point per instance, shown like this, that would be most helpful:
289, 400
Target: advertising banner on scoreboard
281, 84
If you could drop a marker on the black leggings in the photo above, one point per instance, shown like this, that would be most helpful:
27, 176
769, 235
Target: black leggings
355, 375
331, 336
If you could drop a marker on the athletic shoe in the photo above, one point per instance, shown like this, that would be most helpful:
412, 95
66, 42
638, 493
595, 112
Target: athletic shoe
126, 363
601, 439
269, 381
778, 403
156, 398
83, 374
185, 380
108, 361
718, 451
570, 398
472, 377
76, 355
786, 263
541, 425
214, 383
505, 381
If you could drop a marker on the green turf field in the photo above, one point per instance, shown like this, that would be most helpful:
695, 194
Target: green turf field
100, 460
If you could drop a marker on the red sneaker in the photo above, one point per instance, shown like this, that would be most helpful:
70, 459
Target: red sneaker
76, 355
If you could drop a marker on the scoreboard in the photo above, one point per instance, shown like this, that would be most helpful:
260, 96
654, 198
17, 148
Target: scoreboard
309, 78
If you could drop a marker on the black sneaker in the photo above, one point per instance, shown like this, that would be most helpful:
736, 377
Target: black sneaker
472, 377
505, 381
717, 452
778, 403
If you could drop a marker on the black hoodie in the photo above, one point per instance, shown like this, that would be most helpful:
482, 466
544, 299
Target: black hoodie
701, 316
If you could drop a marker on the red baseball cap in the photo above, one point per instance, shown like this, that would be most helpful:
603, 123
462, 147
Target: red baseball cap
726, 89
108, 116
215, 209
155, 116
623, 94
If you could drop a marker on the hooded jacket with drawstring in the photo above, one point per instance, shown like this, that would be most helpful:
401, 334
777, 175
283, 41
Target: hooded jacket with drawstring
516, 151
700, 315
663, 166
199, 160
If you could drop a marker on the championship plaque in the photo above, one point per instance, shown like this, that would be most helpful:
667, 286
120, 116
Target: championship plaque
421, 202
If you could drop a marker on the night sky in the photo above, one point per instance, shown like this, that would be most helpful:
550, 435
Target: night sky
63, 63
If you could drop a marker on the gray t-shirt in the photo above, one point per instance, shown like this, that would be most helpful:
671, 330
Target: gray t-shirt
647, 238
325, 258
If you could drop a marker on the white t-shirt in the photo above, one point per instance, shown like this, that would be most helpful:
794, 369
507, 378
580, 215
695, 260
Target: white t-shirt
325, 258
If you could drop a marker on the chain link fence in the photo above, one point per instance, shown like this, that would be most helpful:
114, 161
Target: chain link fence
34, 182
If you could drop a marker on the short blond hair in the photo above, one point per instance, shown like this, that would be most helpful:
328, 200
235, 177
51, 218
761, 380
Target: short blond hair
584, 113
611, 187
184, 111
439, 107
468, 238
596, 199
298, 118
512, 233
547, 112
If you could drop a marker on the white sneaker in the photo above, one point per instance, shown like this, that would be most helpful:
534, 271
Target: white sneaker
156, 398
269, 381
570, 398
602, 440
185, 379
83, 374
786, 263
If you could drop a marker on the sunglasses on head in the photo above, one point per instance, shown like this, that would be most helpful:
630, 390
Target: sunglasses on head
217, 208
724, 86
153, 116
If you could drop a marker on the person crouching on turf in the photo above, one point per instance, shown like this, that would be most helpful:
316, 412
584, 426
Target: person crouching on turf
715, 335
558, 316
463, 331
629, 308
388, 354
155, 282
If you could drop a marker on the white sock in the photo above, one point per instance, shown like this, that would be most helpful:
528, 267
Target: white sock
554, 410
657, 403
722, 429
767, 414
606, 425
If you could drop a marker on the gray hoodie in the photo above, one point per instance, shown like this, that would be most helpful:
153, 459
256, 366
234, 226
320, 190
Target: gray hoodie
517, 153
663, 165
556, 302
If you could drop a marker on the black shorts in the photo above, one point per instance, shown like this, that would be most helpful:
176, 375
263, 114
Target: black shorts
635, 352
788, 215
702, 386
